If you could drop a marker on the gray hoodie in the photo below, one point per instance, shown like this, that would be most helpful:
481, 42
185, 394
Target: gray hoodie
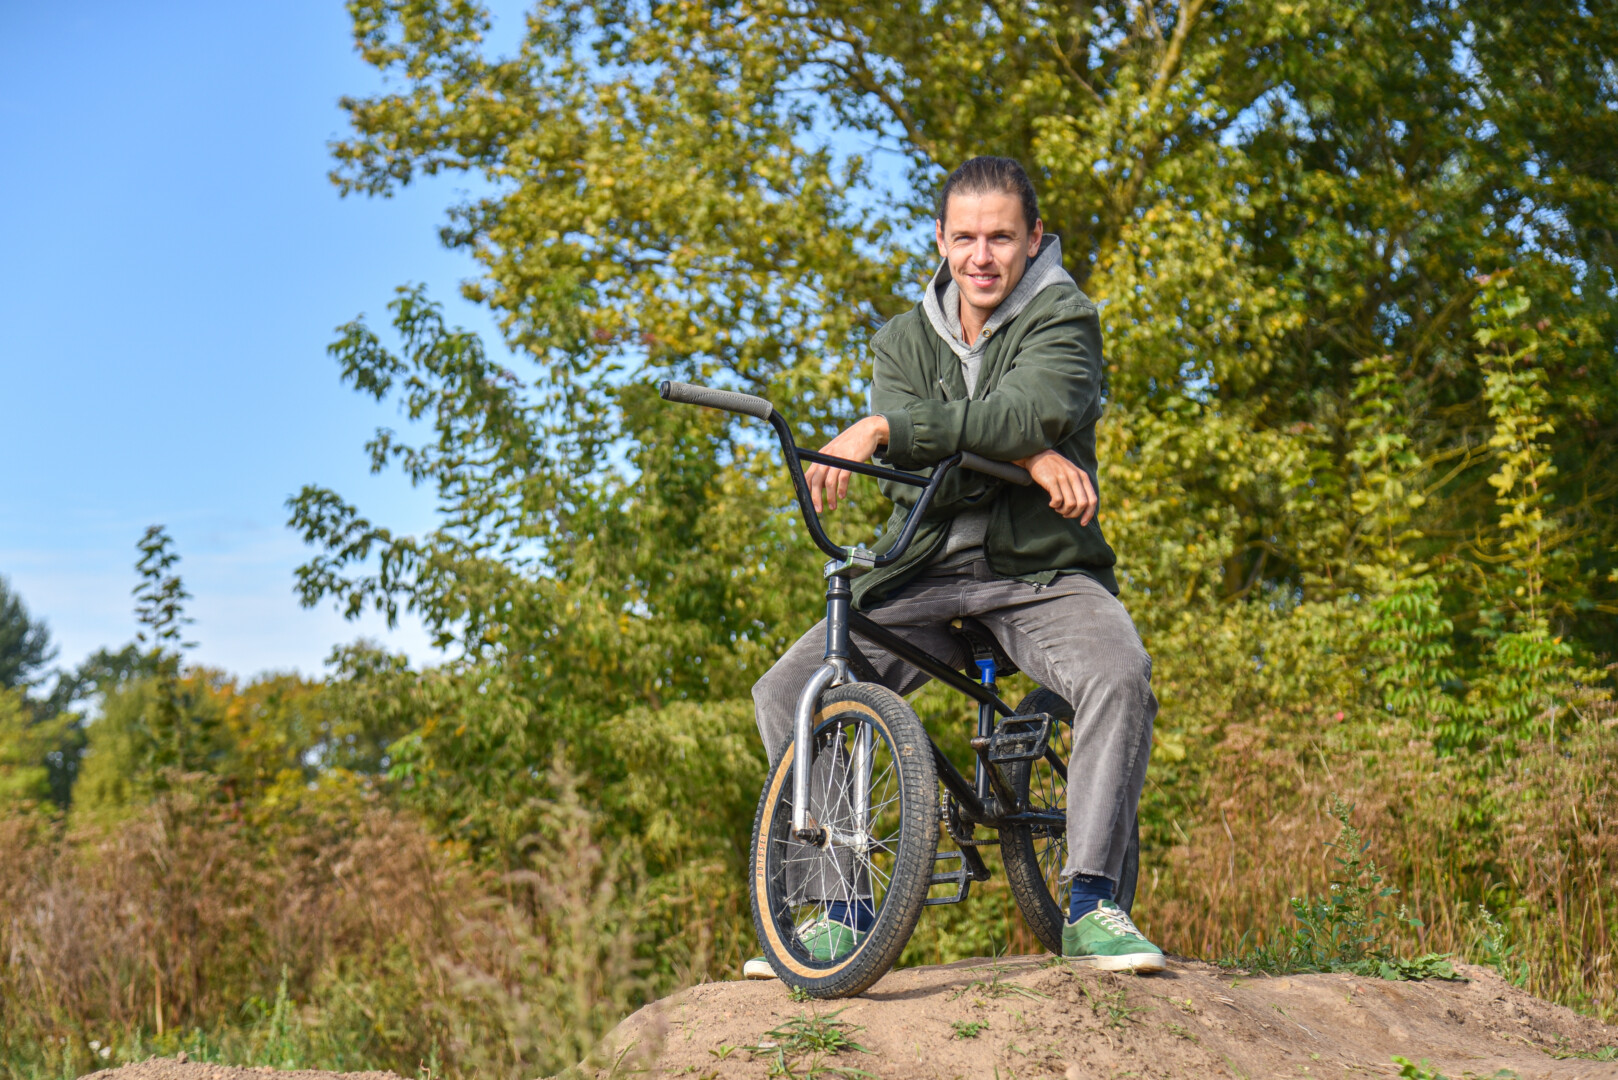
942, 304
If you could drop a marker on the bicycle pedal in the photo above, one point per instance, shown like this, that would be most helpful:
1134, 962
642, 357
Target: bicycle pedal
961, 879
1019, 738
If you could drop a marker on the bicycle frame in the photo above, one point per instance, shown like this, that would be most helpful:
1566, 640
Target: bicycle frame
986, 800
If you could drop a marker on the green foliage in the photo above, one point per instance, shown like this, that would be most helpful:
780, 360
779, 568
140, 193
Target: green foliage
1409, 1070
26, 744
1360, 478
158, 723
25, 643
1334, 450
801, 1046
1493, 946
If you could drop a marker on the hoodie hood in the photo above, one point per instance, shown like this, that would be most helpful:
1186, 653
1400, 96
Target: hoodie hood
942, 303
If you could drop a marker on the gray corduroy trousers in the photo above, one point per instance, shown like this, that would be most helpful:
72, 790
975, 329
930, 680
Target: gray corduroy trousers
1071, 636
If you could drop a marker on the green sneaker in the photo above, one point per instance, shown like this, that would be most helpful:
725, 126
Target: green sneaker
1108, 940
827, 940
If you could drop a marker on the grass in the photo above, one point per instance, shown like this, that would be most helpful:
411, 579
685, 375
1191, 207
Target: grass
995, 987
1112, 1004
815, 1038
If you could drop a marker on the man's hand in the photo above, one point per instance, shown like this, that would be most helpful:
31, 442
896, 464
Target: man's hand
1072, 494
858, 443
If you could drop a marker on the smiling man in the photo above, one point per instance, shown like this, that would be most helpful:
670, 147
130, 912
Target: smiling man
1001, 358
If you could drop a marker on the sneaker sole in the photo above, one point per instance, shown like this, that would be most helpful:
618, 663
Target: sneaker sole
758, 969
1136, 962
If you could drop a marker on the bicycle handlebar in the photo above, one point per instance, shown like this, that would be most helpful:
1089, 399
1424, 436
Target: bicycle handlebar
748, 405
691, 394
1000, 470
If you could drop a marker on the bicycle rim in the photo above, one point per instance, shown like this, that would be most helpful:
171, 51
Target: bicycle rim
878, 858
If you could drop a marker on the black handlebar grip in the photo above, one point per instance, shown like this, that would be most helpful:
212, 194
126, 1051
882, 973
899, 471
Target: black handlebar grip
729, 400
1000, 470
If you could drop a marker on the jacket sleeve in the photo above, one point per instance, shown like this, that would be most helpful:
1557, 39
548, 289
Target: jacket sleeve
892, 393
1051, 391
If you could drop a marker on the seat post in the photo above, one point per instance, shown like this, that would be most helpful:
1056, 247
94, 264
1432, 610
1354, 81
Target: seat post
987, 671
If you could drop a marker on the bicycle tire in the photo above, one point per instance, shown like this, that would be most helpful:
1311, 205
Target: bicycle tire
901, 842
1033, 862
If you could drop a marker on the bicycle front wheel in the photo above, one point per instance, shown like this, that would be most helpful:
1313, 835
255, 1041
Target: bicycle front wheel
1035, 854
834, 916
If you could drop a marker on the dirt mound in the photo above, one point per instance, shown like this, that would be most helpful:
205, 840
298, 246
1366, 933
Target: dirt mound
171, 1069
1037, 1017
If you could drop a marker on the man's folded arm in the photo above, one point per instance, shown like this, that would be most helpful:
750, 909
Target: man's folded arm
1053, 390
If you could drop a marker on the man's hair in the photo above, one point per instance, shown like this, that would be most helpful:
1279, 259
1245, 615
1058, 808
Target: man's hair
992, 175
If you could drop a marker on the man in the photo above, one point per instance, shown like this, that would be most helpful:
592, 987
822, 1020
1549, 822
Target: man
1001, 358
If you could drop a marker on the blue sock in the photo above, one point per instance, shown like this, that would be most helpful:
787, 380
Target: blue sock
859, 915
1088, 892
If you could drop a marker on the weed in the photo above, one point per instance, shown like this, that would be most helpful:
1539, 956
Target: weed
723, 1052
814, 1037
968, 1029
994, 988
1181, 1032
1409, 1070
1343, 930
1493, 947
1601, 1053
1112, 1004
798, 994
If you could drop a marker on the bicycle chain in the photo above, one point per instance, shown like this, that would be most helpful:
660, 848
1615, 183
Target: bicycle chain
959, 831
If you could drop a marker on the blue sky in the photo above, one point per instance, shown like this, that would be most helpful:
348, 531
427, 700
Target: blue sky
172, 263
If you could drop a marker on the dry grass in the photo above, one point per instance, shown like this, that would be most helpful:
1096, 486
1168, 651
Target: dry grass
335, 937
1537, 836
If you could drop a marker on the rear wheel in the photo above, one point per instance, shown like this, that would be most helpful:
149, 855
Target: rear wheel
1035, 854
876, 862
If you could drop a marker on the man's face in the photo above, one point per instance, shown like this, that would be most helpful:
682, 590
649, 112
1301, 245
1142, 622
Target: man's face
987, 245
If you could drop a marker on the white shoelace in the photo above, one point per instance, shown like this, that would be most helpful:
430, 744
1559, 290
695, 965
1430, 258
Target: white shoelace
1117, 921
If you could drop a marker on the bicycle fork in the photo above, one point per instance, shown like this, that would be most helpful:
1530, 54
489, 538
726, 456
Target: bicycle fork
833, 672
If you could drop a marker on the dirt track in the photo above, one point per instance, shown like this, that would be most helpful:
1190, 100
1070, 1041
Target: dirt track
1033, 1017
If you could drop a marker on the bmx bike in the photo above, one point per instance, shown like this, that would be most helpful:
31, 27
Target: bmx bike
848, 824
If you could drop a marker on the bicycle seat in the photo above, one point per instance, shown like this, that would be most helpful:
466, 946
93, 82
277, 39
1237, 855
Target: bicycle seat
979, 644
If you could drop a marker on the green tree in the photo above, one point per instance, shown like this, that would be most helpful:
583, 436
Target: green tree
25, 643
1287, 212
158, 720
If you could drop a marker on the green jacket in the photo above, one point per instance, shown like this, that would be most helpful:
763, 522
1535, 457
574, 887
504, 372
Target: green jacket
1039, 385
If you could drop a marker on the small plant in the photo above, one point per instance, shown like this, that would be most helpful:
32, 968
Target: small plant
968, 1029
798, 994
1409, 1070
284, 1033
1600, 1053
1118, 1013
1342, 931
1493, 947
994, 988
1112, 1004
814, 1037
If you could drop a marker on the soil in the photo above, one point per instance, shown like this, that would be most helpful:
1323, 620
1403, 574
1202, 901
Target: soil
1029, 1017
172, 1069
1037, 1017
